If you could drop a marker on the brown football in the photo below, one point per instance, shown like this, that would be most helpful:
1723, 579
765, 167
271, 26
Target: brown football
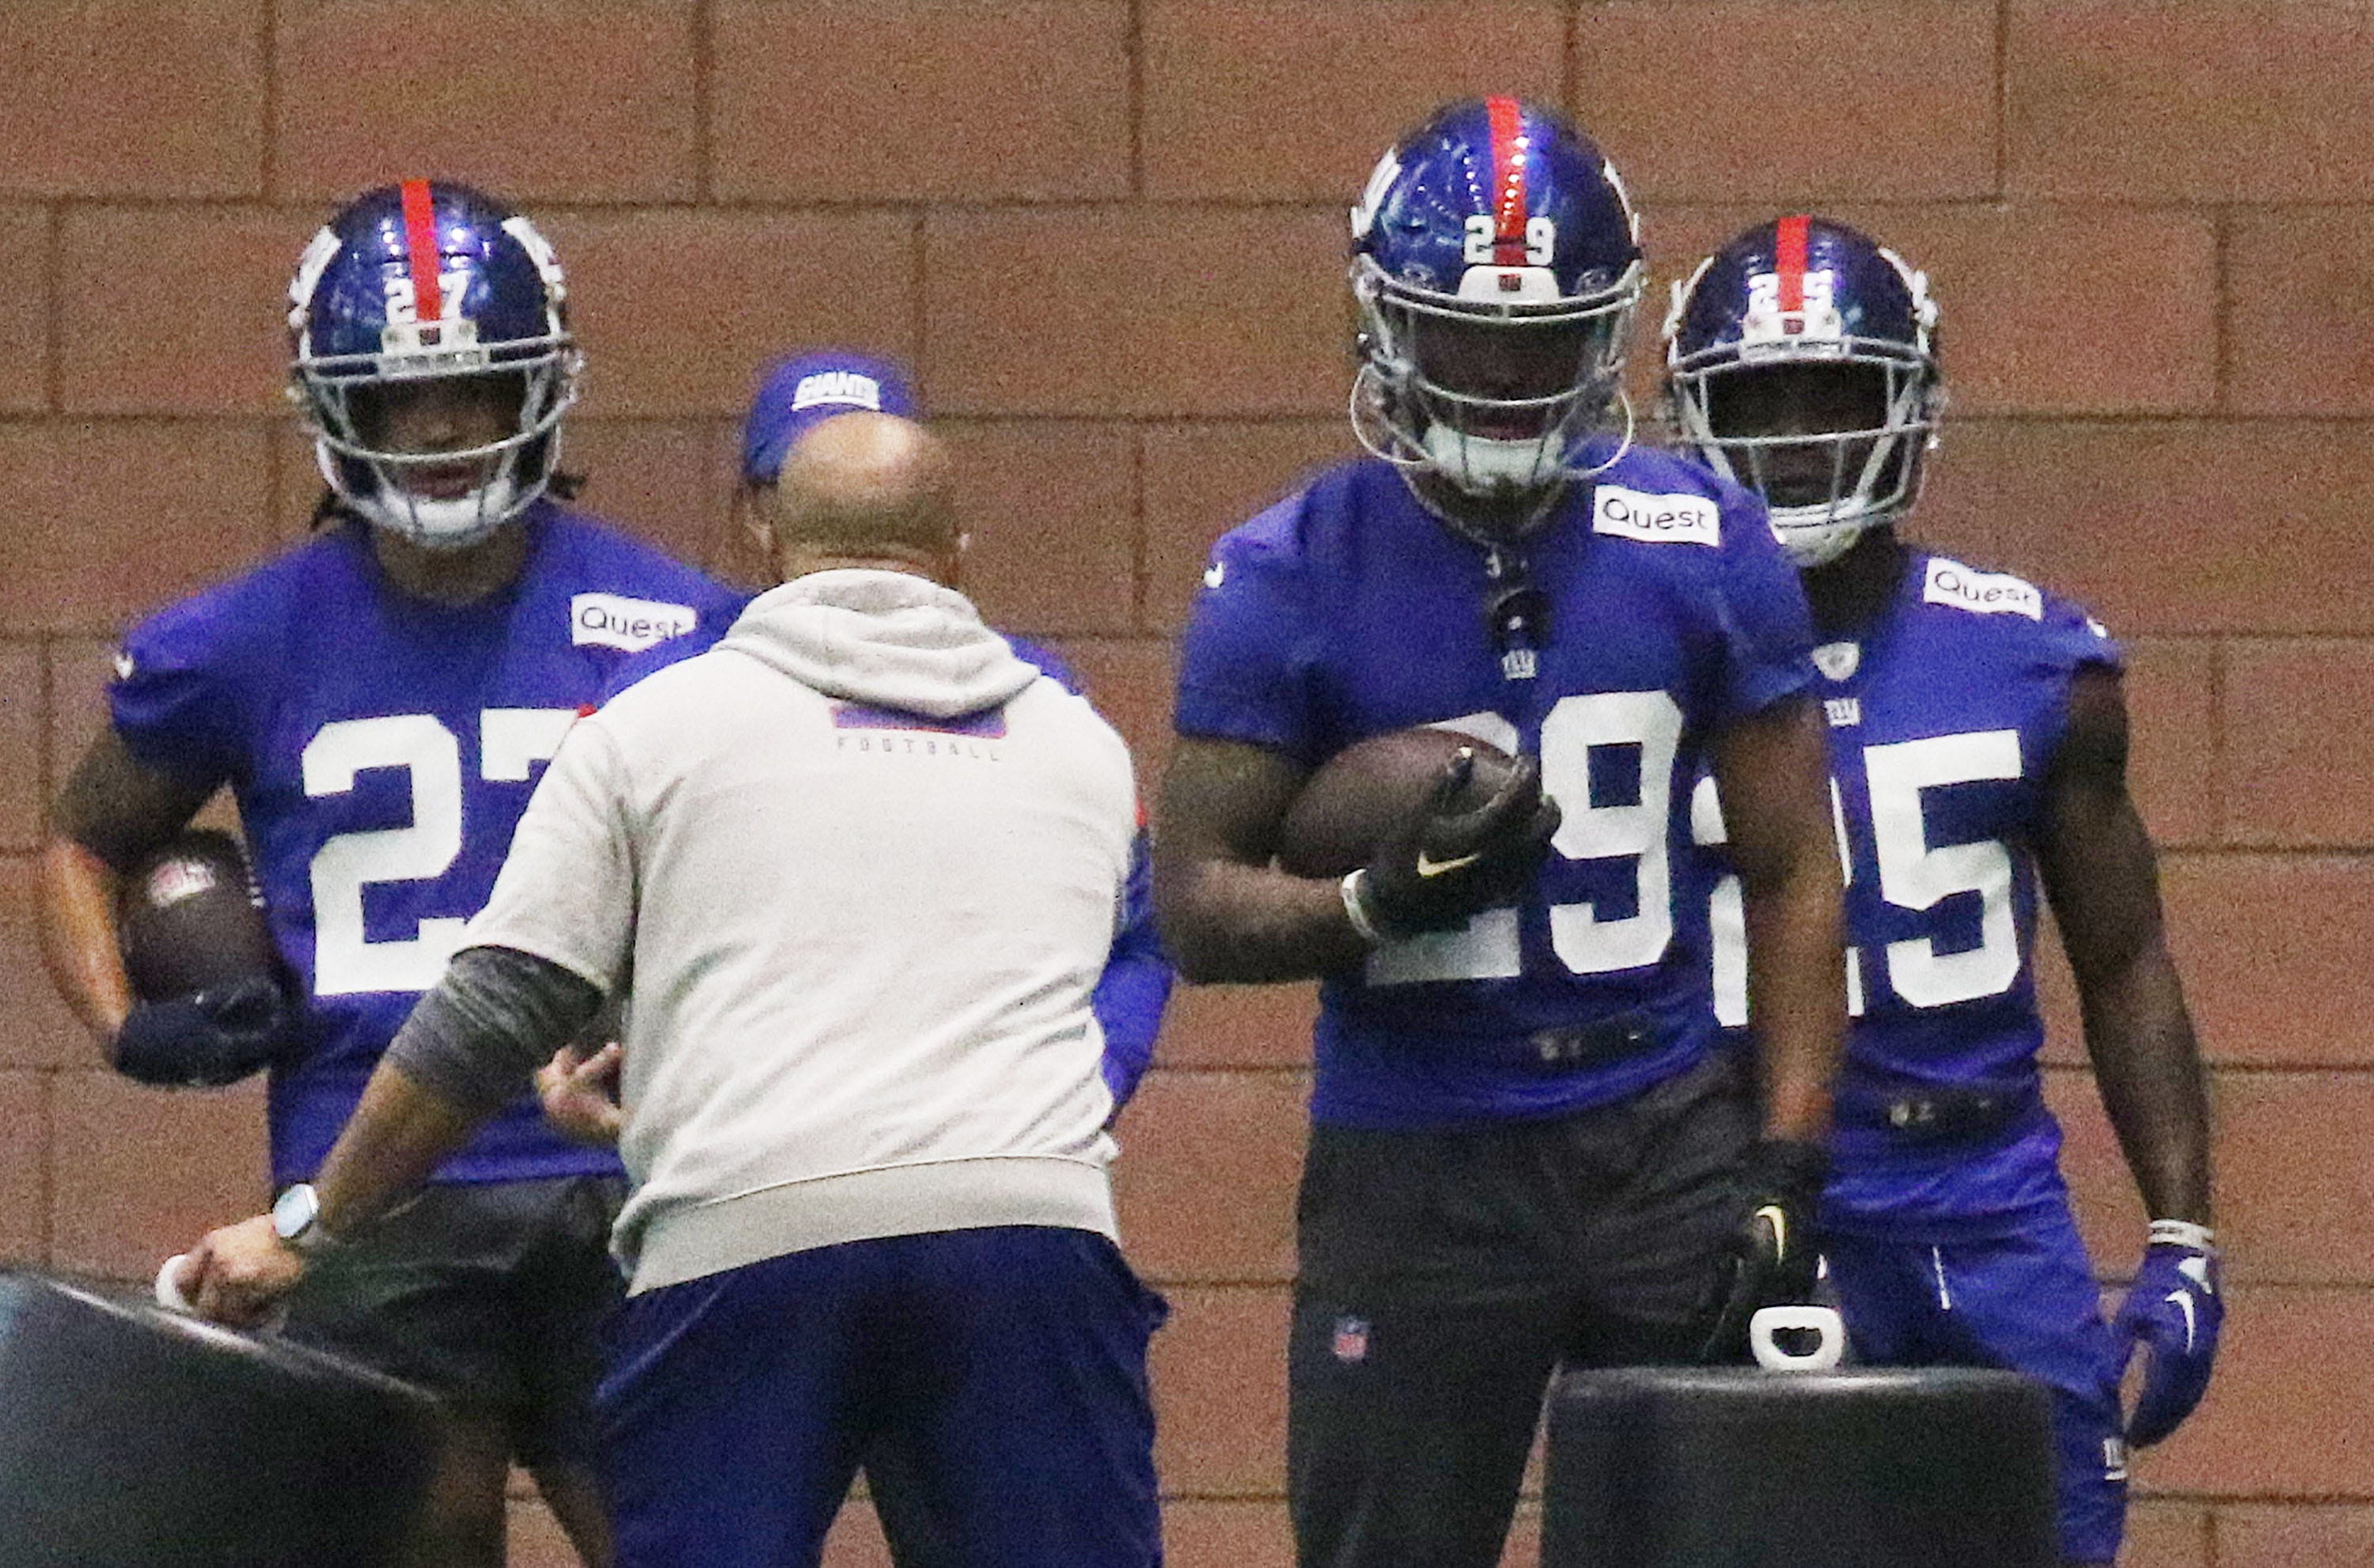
189, 919
1345, 807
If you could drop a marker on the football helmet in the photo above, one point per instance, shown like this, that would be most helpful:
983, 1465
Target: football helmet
1798, 292
1496, 262
429, 281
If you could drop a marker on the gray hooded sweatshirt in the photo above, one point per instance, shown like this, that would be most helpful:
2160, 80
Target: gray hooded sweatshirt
855, 870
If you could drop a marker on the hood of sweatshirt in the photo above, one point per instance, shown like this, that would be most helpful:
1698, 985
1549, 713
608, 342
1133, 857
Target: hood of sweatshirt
885, 638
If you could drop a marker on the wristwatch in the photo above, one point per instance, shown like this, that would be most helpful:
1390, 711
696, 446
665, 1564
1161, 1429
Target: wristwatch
297, 1220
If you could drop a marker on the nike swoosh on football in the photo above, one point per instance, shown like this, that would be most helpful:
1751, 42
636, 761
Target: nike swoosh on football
1429, 866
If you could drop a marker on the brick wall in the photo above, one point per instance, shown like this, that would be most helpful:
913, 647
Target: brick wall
1108, 233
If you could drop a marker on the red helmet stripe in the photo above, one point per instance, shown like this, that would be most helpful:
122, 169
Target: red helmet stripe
1790, 252
1508, 182
421, 237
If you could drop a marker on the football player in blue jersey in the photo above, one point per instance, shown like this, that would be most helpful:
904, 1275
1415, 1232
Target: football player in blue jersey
381, 700
1525, 1150
1977, 753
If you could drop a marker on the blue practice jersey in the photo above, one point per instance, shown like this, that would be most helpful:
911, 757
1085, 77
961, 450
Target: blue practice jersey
382, 747
1135, 986
1943, 722
1349, 609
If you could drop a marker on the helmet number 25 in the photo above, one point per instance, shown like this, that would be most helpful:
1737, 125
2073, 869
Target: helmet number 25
1484, 233
345, 959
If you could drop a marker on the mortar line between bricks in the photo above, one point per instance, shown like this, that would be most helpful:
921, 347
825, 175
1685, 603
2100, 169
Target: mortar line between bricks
2002, 99
45, 759
2220, 809
704, 130
919, 286
1140, 539
53, 269
2209, 1538
1570, 45
267, 162
2221, 299
1134, 84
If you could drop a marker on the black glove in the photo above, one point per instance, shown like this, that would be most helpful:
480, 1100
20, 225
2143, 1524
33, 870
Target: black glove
202, 1041
1774, 1254
1439, 865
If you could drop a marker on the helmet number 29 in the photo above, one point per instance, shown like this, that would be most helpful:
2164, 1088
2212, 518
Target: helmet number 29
1484, 233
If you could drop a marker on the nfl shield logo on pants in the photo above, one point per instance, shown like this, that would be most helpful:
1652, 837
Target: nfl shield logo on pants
1351, 1339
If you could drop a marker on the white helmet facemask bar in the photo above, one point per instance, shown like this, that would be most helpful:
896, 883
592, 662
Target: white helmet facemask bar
324, 387
1819, 531
1404, 417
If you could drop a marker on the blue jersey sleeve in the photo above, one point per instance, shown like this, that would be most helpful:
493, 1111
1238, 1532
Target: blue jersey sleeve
1767, 631
183, 683
1247, 660
2074, 639
1136, 986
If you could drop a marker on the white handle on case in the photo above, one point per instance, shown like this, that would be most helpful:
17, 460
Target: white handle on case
169, 1286
1822, 1320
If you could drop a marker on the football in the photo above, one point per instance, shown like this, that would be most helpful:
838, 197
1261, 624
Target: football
1334, 824
189, 919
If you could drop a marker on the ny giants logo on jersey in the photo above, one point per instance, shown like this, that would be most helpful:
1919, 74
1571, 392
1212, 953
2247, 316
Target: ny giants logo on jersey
1660, 519
612, 620
1982, 593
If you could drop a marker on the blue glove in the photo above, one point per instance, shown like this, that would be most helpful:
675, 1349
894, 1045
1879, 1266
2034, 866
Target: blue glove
202, 1041
2173, 1309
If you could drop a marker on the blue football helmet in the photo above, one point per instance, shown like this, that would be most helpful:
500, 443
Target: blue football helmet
1496, 261
1798, 292
422, 281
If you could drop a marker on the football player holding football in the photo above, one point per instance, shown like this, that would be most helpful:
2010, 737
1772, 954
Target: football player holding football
380, 701
1977, 742
1525, 1150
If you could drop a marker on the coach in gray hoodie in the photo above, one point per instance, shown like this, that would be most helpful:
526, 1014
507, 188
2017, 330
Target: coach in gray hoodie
853, 871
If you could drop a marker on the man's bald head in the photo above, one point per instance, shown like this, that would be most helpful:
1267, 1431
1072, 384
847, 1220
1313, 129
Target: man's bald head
865, 487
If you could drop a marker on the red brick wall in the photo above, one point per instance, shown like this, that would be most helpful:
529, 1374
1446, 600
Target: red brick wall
1108, 233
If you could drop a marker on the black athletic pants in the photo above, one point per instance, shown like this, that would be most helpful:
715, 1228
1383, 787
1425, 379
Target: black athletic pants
1445, 1275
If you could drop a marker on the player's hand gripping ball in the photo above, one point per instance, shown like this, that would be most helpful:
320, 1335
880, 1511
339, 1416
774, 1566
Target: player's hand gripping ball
1433, 825
210, 1006
1774, 1254
2172, 1312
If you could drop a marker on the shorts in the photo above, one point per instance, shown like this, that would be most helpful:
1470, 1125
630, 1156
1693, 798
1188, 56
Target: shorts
491, 1295
993, 1380
2027, 1302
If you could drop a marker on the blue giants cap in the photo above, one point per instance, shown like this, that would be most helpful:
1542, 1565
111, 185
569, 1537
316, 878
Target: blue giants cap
807, 390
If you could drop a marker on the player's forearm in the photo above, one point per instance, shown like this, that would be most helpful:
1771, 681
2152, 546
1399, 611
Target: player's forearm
78, 936
2148, 1065
397, 1137
1226, 922
1796, 973
477, 1038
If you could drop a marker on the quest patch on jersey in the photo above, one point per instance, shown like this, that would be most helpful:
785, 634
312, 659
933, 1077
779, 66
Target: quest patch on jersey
1660, 519
1982, 593
612, 620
